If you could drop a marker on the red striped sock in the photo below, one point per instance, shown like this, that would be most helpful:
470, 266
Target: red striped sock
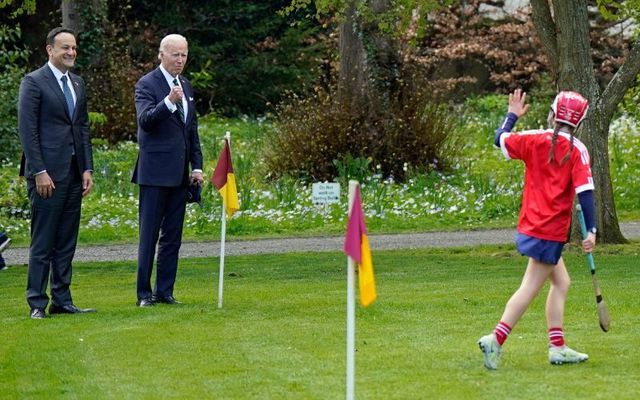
556, 337
502, 331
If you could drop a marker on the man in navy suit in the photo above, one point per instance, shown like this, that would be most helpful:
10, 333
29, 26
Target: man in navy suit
168, 142
57, 163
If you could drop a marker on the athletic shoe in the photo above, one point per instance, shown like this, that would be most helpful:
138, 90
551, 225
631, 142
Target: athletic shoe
565, 355
491, 350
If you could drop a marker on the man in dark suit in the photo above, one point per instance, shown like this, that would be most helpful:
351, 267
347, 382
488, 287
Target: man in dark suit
57, 163
168, 141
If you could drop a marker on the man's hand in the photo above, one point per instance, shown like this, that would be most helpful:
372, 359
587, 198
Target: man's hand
517, 103
175, 95
44, 185
197, 177
87, 183
589, 243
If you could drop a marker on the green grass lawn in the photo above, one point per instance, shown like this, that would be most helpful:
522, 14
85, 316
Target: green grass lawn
281, 333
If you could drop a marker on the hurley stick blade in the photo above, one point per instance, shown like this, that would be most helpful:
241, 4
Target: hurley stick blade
603, 313
603, 316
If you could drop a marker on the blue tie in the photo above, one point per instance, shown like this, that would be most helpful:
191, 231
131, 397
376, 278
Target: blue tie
67, 95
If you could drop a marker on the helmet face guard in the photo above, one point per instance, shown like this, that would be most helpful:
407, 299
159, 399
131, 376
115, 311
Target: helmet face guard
569, 108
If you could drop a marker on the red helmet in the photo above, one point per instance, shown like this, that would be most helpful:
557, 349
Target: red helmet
570, 108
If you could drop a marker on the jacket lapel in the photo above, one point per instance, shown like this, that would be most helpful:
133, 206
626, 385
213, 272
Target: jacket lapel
78, 91
161, 81
186, 89
55, 87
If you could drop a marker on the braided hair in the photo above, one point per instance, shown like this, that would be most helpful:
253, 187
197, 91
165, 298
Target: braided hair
554, 139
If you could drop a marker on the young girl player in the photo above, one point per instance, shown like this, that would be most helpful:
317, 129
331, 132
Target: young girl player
556, 167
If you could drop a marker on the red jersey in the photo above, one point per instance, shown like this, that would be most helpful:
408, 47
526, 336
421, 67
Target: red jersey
549, 187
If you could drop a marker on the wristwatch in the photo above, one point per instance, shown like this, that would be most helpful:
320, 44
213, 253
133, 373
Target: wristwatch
593, 230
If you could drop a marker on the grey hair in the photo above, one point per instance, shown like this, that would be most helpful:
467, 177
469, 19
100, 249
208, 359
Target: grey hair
172, 38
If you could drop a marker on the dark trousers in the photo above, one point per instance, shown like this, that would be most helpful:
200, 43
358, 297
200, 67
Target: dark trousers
161, 216
54, 233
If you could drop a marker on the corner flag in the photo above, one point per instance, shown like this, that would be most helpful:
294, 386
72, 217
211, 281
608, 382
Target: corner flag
225, 181
356, 246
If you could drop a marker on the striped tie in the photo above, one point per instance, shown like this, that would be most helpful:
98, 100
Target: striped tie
179, 103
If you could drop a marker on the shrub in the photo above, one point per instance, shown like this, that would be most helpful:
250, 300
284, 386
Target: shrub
318, 136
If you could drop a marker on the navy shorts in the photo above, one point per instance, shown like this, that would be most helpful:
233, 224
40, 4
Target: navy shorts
546, 251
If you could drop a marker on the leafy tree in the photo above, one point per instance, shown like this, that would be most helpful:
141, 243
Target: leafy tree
564, 29
13, 8
370, 36
242, 55
381, 109
108, 66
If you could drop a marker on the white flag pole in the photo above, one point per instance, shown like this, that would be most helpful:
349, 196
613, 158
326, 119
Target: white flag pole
351, 310
223, 232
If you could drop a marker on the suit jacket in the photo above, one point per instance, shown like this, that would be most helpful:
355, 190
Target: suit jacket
49, 135
166, 144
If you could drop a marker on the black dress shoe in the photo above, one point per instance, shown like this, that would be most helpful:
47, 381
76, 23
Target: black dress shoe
166, 300
146, 302
69, 309
38, 313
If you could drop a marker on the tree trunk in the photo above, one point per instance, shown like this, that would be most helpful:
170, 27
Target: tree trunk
71, 17
353, 74
575, 66
606, 217
568, 48
384, 57
369, 58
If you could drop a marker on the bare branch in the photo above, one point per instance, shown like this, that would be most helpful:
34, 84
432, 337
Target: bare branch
621, 81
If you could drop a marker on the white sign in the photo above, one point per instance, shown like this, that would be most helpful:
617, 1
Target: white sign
325, 193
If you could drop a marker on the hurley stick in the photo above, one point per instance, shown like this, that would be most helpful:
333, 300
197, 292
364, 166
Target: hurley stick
603, 314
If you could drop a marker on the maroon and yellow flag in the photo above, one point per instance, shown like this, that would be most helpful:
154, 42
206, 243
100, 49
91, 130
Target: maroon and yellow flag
225, 181
356, 246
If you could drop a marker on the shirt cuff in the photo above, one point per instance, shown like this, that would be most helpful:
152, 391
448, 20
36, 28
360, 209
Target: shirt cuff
172, 107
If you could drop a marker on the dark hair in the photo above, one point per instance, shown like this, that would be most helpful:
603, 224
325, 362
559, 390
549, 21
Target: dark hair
51, 36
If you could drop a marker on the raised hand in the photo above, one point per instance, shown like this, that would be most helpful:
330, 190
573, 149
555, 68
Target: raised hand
517, 103
176, 94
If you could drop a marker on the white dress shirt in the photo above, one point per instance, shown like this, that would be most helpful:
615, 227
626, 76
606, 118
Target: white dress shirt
172, 107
